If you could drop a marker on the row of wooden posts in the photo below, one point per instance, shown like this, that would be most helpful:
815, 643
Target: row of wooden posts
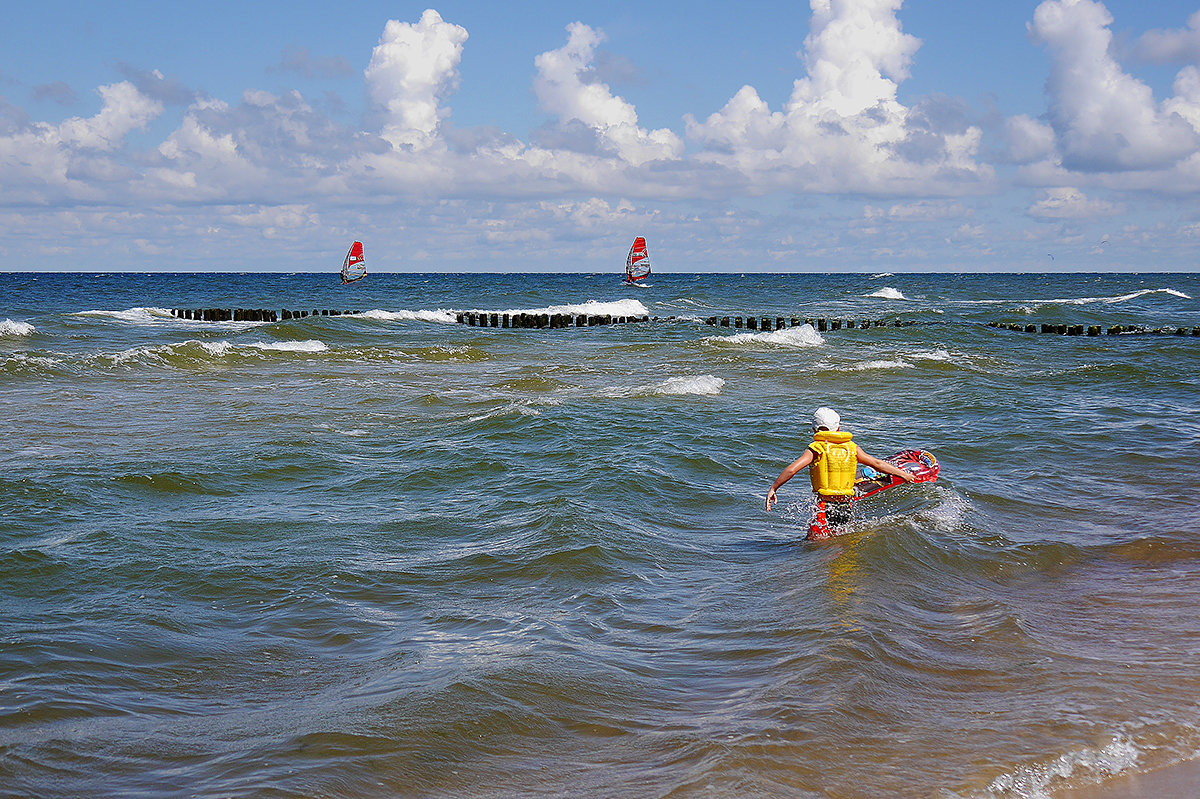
249, 314
1094, 330
780, 322
547, 320
543, 320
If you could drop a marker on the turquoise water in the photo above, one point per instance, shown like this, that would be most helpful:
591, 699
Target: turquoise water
387, 555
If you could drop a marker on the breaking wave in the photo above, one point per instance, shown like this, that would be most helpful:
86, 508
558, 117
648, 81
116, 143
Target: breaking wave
802, 336
887, 293
440, 316
11, 328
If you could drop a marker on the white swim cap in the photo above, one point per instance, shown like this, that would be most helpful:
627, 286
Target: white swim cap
826, 419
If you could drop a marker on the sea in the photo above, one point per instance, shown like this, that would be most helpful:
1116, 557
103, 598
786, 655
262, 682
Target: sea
385, 554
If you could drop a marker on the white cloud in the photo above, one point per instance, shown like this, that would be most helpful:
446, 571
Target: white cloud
1070, 203
1105, 119
843, 129
1027, 139
1170, 46
562, 90
125, 109
411, 70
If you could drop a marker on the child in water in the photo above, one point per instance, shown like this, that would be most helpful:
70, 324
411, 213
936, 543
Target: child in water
834, 459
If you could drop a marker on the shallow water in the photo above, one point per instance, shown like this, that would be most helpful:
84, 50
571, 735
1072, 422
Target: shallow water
388, 555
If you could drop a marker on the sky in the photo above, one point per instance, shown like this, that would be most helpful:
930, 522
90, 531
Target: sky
829, 136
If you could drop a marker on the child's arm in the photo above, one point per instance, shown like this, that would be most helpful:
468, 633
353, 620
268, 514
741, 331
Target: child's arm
884, 466
788, 474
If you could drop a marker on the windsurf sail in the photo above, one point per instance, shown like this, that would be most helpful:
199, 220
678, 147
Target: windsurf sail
355, 265
637, 263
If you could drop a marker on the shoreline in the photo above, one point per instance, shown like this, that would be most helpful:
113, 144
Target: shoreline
1177, 781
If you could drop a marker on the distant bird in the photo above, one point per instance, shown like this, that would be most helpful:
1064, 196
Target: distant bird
1051, 256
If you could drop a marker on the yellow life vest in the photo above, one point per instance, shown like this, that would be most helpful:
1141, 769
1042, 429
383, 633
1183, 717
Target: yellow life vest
834, 464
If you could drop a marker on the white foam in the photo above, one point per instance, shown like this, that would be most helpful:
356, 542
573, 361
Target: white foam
703, 385
11, 328
1042, 780
311, 345
133, 316
1080, 300
882, 274
887, 293
149, 316
217, 348
589, 308
441, 316
802, 336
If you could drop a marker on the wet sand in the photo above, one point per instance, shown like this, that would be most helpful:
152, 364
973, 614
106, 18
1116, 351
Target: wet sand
1181, 781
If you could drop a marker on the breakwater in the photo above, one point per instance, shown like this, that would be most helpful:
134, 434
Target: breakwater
1095, 330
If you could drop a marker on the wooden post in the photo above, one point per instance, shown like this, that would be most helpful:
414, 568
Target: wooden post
737, 322
837, 324
724, 321
821, 325
752, 322
849, 324
766, 323
795, 322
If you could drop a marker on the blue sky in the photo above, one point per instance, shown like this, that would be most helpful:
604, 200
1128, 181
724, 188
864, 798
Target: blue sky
841, 135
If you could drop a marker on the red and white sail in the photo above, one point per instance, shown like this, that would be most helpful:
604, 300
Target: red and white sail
355, 265
637, 263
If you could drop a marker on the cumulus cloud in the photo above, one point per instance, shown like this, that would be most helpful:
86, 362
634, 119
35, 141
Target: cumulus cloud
412, 68
1170, 46
843, 128
125, 109
1070, 203
1105, 120
565, 87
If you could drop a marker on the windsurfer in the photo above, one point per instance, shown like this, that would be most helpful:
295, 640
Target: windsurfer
833, 459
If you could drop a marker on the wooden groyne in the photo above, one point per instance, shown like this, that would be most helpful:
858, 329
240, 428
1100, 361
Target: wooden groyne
1095, 330
543, 320
821, 324
250, 314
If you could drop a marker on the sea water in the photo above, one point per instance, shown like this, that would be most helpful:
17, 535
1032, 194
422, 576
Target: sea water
387, 555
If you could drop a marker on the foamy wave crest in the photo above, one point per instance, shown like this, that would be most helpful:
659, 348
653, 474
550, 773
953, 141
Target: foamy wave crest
697, 385
11, 328
898, 363
1127, 297
217, 349
1088, 765
144, 316
704, 385
311, 345
878, 275
887, 293
802, 336
133, 316
1023, 305
440, 316
589, 308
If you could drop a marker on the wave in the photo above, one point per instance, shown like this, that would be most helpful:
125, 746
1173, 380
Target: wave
887, 293
440, 316
703, 385
1087, 765
1026, 304
878, 275
147, 315
904, 361
802, 336
193, 351
311, 345
589, 308
12, 328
